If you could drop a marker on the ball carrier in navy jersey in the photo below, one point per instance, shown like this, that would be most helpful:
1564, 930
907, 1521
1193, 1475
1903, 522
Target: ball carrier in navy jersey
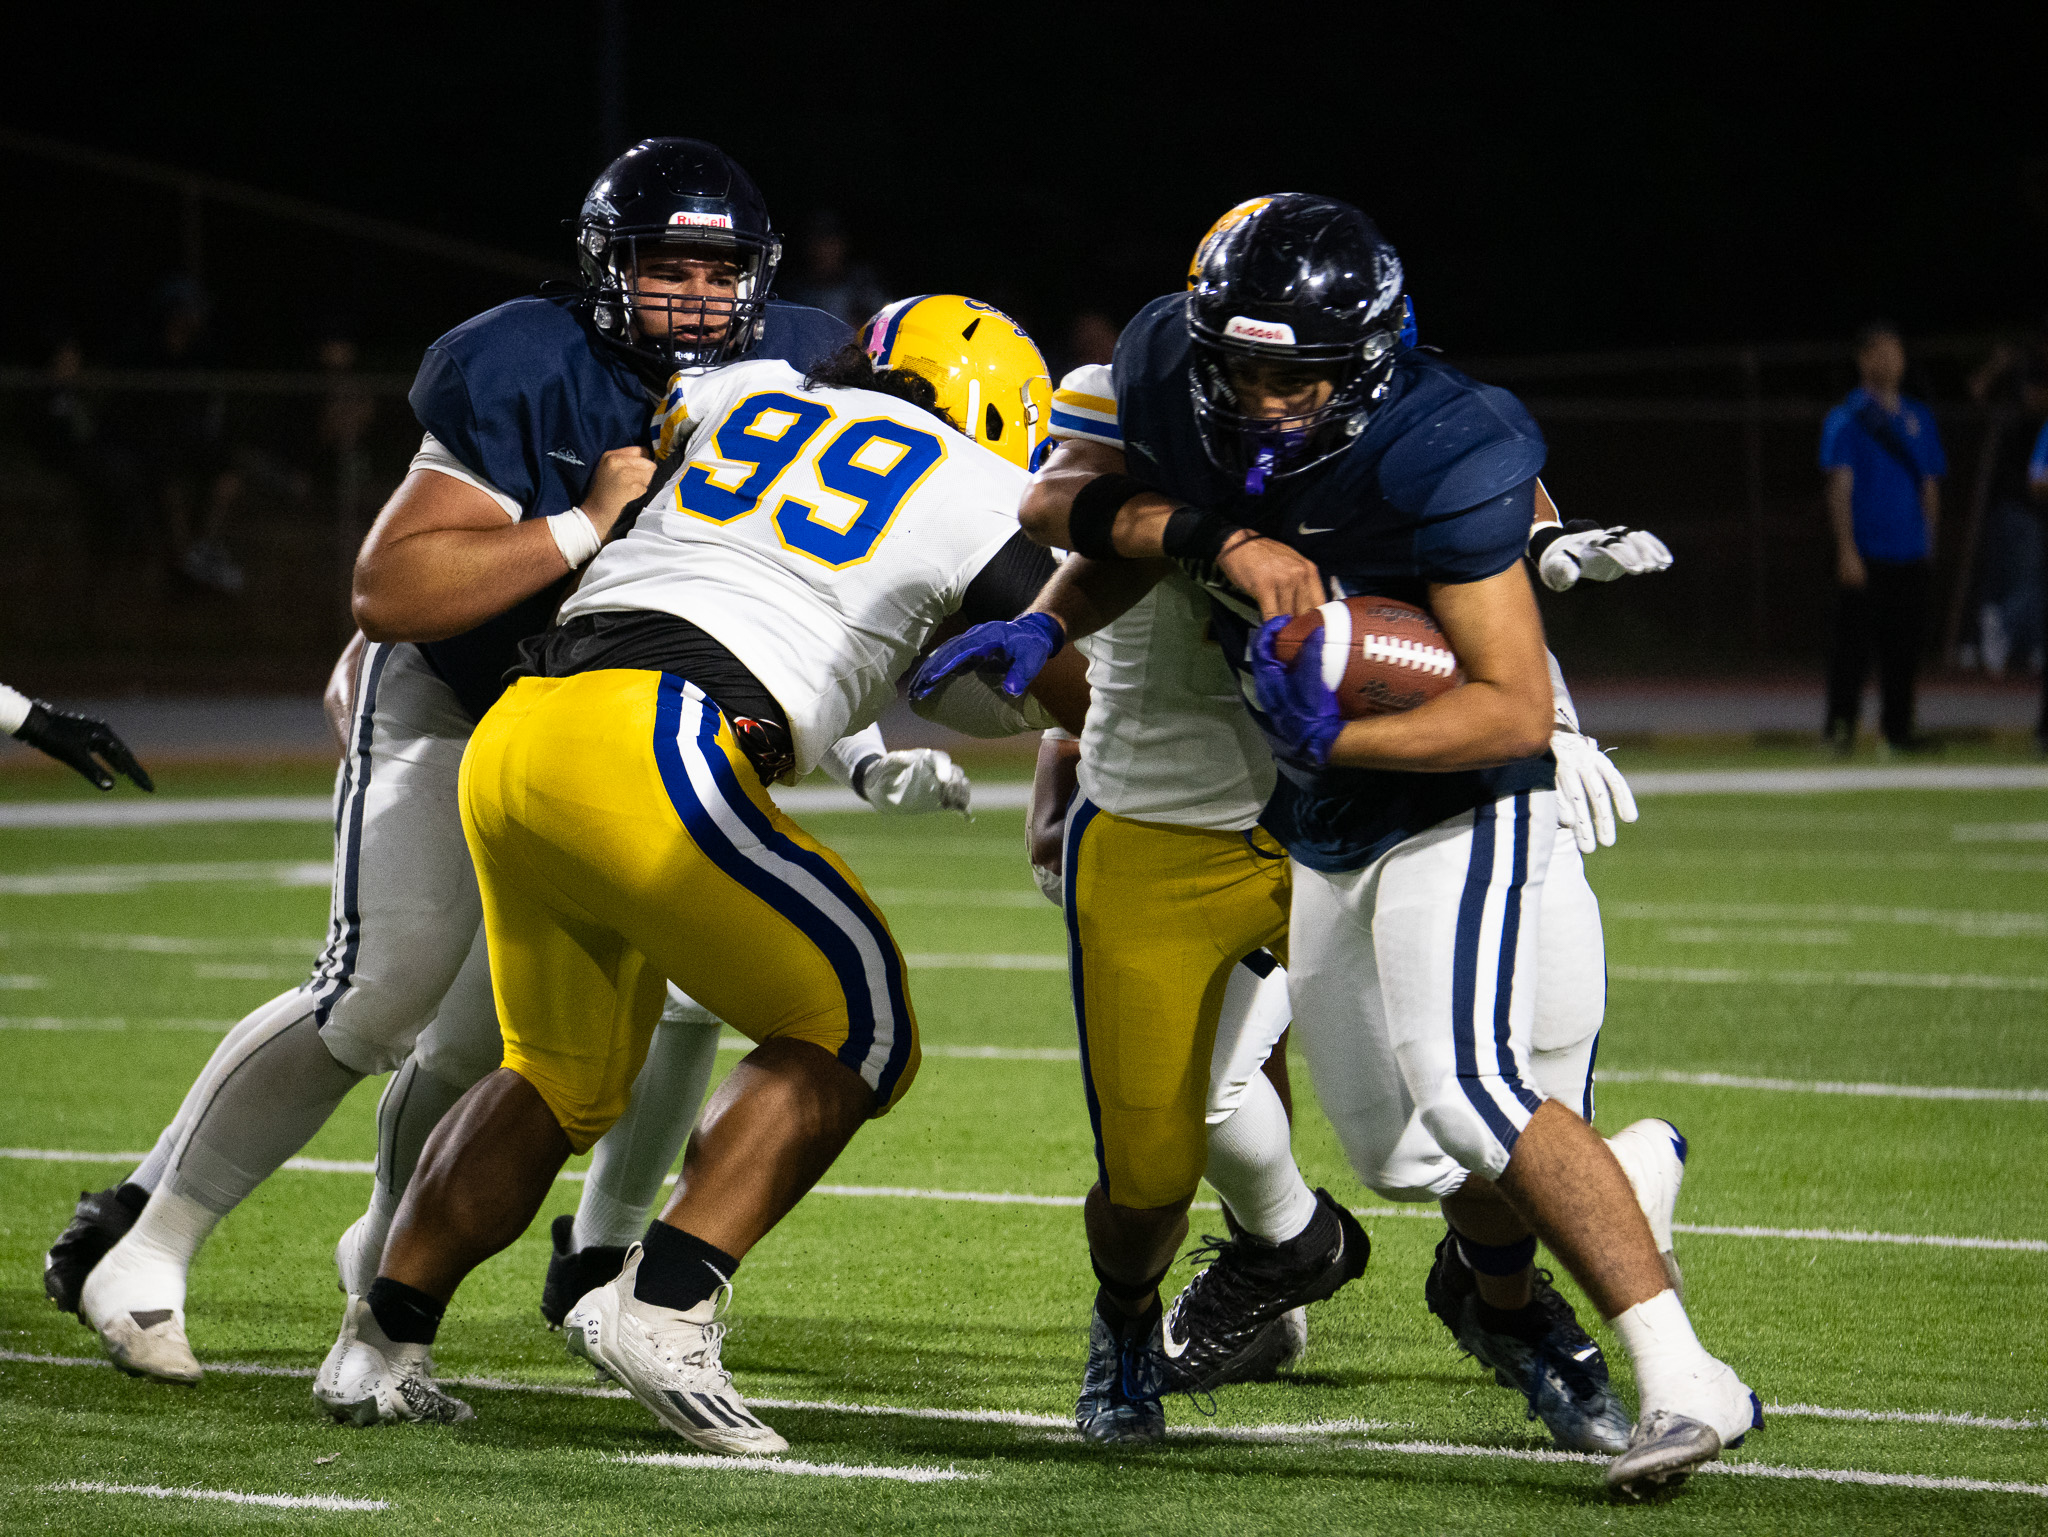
537, 420
1283, 445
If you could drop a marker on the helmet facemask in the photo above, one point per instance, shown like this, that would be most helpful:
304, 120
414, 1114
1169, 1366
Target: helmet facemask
1255, 450
665, 327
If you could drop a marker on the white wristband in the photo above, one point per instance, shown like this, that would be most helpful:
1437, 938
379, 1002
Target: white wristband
575, 536
14, 708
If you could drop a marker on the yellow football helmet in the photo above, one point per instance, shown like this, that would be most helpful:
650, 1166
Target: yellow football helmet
1230, 220
989, 377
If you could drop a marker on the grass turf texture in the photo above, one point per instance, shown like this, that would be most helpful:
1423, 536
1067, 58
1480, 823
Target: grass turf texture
952, 1306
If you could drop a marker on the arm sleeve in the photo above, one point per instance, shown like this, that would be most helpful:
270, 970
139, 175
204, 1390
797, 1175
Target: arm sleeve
1084, 406
1007, 584
850, 752
1834, 440
434, 455
490, 439
1480, 541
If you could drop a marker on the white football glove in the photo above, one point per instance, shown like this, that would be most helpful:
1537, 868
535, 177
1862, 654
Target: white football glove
915, 782
1590, 791
1600, 555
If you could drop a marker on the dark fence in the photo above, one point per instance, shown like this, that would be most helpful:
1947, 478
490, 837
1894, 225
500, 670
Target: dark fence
1713, 449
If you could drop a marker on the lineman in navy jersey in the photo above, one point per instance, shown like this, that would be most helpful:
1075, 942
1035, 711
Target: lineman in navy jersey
526, 410
1279, 432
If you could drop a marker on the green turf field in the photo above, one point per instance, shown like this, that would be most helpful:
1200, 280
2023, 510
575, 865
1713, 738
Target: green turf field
1892, 939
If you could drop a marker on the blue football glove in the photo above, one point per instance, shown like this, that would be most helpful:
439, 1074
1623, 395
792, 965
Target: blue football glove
1299, 705
1022, 646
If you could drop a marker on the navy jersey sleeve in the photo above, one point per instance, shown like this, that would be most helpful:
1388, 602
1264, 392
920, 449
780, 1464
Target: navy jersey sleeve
493, 438
1477, 542
1478, 443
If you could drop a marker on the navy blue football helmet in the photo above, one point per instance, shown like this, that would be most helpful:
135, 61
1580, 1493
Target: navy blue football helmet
691, 197
1306, 283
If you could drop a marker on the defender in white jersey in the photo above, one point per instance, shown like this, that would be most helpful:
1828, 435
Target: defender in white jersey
1168, 742
615, 803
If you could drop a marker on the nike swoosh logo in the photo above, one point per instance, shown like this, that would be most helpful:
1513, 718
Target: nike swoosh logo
1174, 1348
1303, 530
1586, 1354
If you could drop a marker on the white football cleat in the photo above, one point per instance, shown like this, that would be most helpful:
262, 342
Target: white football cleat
1713, 1414
668, 1360
137, 1307
370, 1379
1652, 1154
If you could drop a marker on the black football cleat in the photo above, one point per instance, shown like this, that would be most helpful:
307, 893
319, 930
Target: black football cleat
1228, 1323
101, 1220
573, 1273
1540, 1351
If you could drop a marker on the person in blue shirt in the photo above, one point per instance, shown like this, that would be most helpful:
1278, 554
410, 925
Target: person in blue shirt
1884, 464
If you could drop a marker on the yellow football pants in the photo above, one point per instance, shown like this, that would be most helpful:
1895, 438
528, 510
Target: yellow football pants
622, 838
1156, 918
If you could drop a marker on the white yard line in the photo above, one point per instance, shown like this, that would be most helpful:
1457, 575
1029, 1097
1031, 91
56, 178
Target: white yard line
110, 1022
1722, 976
1965, 922
1819, 1086
2000, 832
1908, 1417
1821, 781
706, 1462
158, 944
224, 1496
159, 812
987, 962
1017, 1198
1350, 1435
125, 880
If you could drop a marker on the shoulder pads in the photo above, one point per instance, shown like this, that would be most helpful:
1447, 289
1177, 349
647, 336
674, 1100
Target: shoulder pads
1459, 443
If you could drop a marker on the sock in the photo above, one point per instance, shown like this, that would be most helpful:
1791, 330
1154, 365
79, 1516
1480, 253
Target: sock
1114, 1299
631, 1160
679, 1270
1497, 1259
148, 1266
150, 1172
1667, 1354
260, 1108
1251, 1165
407, 1315
410, 1108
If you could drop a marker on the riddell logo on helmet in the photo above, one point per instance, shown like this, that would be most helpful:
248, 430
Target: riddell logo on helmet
707, 220
1243, 328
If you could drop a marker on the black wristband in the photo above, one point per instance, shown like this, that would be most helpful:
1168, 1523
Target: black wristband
1541, 538
1093, 516
1193, 535
857, 781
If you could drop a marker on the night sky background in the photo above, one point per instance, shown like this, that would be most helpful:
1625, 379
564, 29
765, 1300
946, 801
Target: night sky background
1556, 179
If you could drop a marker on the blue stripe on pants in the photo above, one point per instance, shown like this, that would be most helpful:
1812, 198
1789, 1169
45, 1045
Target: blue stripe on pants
1077, 824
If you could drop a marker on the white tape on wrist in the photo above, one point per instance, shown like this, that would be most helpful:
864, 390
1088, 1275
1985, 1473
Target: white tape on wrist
575, 536
14, 708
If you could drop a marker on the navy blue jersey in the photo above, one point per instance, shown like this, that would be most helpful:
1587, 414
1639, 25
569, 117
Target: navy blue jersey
1439, 487
528, 399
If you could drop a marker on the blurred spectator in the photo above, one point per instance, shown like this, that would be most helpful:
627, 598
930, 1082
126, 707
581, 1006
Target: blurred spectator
1091, 338
68, 435
1884, 466
2037, 486
825, 276
2013, 382
182, 438
346, 412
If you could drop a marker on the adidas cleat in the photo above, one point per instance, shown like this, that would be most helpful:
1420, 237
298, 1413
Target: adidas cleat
369, 1379
574, 1273
1544, 1355
1121, 1388
668, 1360
101, 1219
1652, 1154
1216, 1331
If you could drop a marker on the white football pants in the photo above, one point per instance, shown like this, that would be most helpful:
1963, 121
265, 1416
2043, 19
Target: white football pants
1414, 986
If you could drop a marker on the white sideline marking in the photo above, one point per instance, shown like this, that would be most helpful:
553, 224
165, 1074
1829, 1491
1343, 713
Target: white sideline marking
1810, 1086
1908, 1417
705, 1461
987, 962
1015, 1198
20, 984
125, 880
110, 1022
225, 1496
1964, 922
1816, 781
2000, 832
1348, 1433
167, 813
1711, 976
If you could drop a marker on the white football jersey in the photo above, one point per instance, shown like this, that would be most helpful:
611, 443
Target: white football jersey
819, 535
1168, 737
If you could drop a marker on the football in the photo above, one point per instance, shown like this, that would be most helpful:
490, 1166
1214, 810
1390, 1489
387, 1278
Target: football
1394, 656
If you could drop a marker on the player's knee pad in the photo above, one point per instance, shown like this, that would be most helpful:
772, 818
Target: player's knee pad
1566, 1073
